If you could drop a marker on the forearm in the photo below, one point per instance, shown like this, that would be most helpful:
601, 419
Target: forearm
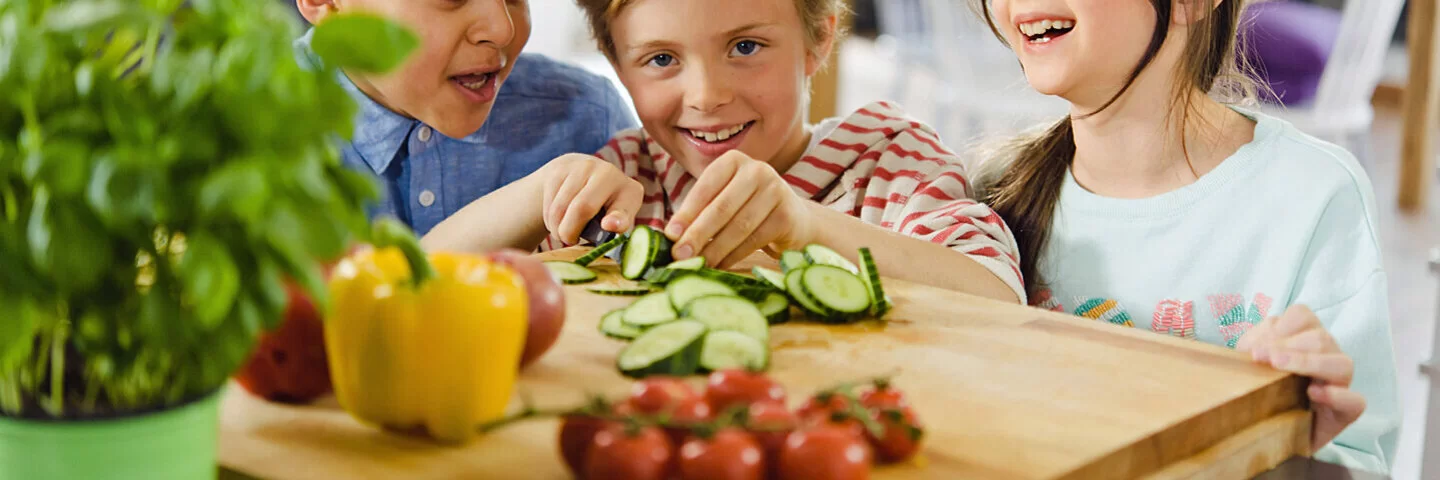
506, 218
907, 258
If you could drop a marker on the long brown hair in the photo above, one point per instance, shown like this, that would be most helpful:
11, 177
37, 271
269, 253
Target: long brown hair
1025, 193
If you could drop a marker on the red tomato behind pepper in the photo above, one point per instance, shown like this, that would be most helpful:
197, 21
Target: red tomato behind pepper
289, 364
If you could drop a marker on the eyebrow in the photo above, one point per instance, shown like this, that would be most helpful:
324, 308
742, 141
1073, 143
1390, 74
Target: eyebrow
655, 44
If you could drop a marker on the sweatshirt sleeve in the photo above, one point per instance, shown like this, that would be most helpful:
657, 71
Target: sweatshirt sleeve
1343, 281
919, 188
1360, 324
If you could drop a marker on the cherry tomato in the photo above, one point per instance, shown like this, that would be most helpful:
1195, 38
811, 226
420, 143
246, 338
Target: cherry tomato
883, 396
903, 433
820, 407
577, 433
731, 454
691, 412
769, 421
629, 451
655, 395
729, 388
825, 451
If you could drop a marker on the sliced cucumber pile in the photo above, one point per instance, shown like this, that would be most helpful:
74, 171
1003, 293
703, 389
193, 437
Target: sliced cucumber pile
692, 319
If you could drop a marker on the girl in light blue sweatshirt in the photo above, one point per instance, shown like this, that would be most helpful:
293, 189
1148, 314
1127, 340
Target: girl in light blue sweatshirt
1153, 205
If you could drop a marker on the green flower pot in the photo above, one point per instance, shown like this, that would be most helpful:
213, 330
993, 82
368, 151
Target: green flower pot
175, 444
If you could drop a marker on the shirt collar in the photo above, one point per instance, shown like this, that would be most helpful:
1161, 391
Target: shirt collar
379, 132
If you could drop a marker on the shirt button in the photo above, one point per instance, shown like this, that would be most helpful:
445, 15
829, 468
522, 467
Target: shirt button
427, 198
425, 136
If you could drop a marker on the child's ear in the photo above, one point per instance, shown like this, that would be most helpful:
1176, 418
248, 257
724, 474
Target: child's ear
821, 53
315, 11
1190, 12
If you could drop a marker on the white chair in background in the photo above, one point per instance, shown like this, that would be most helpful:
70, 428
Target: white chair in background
1341, 111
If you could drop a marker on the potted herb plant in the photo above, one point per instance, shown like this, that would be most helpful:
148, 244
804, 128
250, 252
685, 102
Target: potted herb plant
166, 166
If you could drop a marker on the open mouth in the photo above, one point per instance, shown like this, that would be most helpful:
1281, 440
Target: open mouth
1044, 31
721, 135
474, 81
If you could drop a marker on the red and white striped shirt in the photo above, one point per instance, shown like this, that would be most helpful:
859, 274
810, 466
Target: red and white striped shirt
877, 164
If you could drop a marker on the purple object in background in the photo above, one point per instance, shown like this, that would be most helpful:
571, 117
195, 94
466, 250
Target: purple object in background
1288, 44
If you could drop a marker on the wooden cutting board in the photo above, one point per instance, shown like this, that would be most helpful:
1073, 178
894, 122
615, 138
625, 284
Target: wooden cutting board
1005, 392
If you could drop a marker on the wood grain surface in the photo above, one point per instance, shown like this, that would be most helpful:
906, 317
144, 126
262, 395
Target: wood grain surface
1005, 392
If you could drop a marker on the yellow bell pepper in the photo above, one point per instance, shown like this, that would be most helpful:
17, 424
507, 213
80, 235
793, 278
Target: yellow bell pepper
436, 351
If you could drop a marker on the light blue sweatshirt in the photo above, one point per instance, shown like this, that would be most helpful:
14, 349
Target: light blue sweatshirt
1287, 220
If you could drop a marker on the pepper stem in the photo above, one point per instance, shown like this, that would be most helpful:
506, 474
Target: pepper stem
388, 232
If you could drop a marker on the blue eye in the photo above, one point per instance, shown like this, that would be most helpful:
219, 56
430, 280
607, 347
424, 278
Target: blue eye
662, 60
746, 48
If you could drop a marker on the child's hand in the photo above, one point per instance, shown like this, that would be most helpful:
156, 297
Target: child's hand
737, 206
576, 188
1296, 342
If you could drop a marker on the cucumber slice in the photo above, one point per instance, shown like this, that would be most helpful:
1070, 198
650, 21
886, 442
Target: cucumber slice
690, 287
600, 251
724, 312
792, 286
774, 278
613, 326
616, 290
649, 311
570, 273
670, 349
754, 294
646, 249
821, 255
791, 260
879, 303
726, 350
775, 307
639, 252
734, 280
836, 292
692, 263
665, 275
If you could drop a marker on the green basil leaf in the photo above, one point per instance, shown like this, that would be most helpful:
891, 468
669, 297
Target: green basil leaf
362, 42
82, 15
209, 278
239, 189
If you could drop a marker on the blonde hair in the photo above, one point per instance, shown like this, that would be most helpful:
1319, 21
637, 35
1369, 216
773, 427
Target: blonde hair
813, 15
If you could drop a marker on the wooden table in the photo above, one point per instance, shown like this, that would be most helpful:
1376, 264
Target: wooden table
1421, 110
1006, 392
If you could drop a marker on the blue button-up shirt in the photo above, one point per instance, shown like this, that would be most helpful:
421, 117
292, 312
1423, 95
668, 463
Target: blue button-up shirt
545, 109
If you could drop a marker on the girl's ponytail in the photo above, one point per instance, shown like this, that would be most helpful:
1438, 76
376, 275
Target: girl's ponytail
1026, 194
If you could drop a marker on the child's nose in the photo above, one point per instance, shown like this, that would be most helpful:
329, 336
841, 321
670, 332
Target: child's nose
492, 23
708, 90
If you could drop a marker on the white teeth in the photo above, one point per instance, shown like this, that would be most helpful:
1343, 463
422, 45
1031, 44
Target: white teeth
1032, 29
718, 136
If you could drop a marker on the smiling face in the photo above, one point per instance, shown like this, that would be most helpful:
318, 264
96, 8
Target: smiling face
1080, 50
708, 77
467, 50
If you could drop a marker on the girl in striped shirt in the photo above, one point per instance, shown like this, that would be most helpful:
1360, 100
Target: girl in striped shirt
726, 164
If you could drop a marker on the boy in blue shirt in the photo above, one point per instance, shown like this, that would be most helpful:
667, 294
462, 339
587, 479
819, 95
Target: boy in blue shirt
467, 113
